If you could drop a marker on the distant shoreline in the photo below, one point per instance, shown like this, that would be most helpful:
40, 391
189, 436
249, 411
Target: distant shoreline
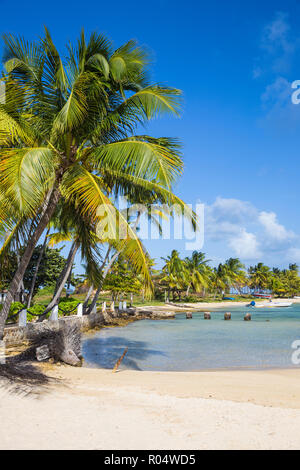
205, 305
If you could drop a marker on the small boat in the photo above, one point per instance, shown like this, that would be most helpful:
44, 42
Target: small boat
262, 296
270, 304
228, 298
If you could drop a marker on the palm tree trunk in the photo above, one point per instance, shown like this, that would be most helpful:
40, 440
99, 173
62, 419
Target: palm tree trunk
105, 272
37, 270
48, 210
67, 270
88, 295
107, 268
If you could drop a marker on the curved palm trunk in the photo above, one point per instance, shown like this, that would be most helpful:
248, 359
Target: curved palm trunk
88, 295
67, 270
107, 268
49, 208
105, 272
37, 269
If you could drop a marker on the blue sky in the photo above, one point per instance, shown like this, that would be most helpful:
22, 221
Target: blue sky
235, 62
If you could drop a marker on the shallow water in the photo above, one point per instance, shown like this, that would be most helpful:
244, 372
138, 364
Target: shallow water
197, 344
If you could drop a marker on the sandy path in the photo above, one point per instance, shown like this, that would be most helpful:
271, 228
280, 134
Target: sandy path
146, 410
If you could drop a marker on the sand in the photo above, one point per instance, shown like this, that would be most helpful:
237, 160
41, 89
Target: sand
210, 305
96, 409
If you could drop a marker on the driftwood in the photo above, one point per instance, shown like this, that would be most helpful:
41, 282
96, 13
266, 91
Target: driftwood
120, 360
62, 344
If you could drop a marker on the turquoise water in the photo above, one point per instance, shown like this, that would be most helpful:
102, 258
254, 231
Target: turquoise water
198, 344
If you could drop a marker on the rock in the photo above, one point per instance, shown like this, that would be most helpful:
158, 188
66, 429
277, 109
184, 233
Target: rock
227, 316
189, 315
247, 317
207, 316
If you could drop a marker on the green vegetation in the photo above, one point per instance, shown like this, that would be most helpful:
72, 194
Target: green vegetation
69, 148
194, 275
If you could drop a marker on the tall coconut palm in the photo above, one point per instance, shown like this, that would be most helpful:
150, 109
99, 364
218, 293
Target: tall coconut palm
259, 277
174, 274
67, 129
236, 274
196, 271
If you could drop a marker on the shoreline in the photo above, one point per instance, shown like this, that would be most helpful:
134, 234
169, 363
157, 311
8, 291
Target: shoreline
96, 409
206, 305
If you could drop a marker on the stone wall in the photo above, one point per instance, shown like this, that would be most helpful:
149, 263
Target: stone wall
14, 335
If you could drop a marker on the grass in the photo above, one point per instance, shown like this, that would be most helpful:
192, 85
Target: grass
45, 297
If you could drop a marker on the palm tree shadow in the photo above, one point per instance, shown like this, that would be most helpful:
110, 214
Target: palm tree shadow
104, 352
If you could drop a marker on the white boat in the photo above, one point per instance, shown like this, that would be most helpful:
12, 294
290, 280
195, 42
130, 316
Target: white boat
273, 304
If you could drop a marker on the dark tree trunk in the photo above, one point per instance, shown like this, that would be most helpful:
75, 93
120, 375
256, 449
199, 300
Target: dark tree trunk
49, 208
37, 270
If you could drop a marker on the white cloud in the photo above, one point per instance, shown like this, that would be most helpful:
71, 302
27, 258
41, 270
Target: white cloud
278, 45
245, 245
279, 53
293, 255
273, 228
240, 229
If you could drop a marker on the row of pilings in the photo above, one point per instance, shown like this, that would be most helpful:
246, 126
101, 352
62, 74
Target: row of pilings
227, 316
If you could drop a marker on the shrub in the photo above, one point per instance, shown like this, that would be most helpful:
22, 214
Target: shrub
36, 309
64, 300
66, 308
14, 308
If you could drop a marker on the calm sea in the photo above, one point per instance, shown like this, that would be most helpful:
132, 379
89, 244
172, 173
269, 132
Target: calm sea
198, 344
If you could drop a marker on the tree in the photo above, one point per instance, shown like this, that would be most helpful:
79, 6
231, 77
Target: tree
235, 273
260, 277
197, 272
122, 279
51, 265
67, 134
174, 274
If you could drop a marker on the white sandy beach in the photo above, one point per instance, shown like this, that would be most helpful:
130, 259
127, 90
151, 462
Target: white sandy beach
96, 409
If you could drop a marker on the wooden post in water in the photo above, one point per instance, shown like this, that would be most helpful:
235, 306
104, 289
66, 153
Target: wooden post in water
207, 316
120, 360
247, 317
189, 315
227, 316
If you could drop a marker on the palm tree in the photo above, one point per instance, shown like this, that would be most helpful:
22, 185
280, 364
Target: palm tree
259, 276
220, 279
236, 274
67, 134
174, 274
197, 272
